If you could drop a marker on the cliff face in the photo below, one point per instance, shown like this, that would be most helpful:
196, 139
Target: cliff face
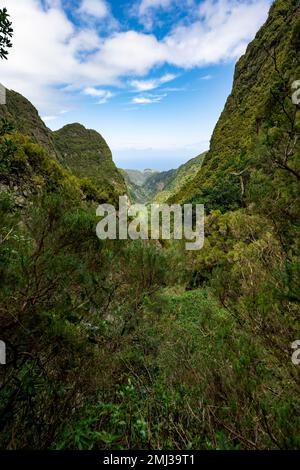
268, 68
83, 151
86, 154
27, 121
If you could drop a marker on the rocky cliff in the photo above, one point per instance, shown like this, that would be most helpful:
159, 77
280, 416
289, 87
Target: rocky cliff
262, 82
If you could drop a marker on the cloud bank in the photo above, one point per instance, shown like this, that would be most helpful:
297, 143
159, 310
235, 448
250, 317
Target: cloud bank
52, 54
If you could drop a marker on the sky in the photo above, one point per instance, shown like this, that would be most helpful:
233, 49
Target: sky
152, 76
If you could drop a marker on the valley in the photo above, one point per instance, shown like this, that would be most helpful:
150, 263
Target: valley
143, 344
154, 186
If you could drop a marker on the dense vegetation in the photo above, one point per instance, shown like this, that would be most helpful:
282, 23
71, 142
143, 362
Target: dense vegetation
87, 155
25, 119
176, 180
154, 186
6, 33
116, 345
139, 177
142, 186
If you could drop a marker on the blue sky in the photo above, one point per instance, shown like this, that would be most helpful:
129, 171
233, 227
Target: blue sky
151, 76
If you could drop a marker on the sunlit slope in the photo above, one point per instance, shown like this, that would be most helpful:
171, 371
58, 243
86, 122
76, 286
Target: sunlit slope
268, 68
87, 155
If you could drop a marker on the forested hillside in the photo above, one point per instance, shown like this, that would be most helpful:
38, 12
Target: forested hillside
160, 186
81, 151
142, 344
87, 155
138, 177
178, 179
135, 181
24, 117
259, 100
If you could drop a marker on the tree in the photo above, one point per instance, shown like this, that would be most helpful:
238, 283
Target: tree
6, 33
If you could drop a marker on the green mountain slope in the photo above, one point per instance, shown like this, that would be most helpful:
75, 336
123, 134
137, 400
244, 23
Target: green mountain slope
138, 177
135, 191
143, 185
87, 154
155, 186
27, 121
179, 178
268, 68
80, 150
157, 183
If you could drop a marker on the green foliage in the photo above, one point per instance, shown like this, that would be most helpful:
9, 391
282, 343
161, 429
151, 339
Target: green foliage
66, 312
88, 156
271, 61
129, 345
160, 187
211, 384
25, 120
6, 126
6, 33
179, 178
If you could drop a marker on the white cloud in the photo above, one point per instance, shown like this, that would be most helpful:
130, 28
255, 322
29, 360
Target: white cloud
221, 33
147, 85
96, 8
131, 52
142, 100
48, 118
105, 95
50, 55
91, 91
148, 99
146, 5
146, 10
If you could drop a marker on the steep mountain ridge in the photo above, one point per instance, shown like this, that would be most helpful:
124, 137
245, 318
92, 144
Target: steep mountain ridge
269, 66
83, 151
26, 120
144, 185
136, 192
87, 155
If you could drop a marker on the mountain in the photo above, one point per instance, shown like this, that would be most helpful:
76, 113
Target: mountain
87, 155
176, 179
138, 177
135, 191
266, 70
143, 185
83, 151
157, 182
27, 121
155, 186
